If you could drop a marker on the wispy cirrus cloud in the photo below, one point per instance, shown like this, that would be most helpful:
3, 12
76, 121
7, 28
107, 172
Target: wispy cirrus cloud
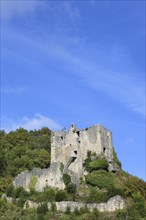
126, 85
9, 90
30, 123
14, 7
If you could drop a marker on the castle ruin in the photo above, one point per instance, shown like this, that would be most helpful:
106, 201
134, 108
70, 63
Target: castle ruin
69, 149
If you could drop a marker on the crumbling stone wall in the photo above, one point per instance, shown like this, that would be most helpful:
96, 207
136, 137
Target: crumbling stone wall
70, 148
113, 204
45, 177
66, 144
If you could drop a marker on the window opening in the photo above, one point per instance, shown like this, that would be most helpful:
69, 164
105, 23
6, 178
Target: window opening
75, 152
78, 133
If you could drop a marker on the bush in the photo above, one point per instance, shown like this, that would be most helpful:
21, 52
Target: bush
60, 195
100, 178
116, 160
99, 164
61, 167
71, 188
10, 191
96, 196
53, 207
84, 210
50, 194
67, 211
95, 212
20, 202
33, 182
42, 208
77, 212
66, 179
17, 192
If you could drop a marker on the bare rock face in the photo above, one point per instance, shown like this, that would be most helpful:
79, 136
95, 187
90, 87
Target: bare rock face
70, 148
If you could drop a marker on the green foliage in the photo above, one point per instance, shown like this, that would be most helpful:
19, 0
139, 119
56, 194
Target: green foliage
43, 158
21, 150
84, 210
42, 208
60, 195
99, 164
100, 178
53, 207
96, 195
66, 179
50, 194
71, 188
116, 160
33, 182
139, 204
61, 167
5, 182
67, 211
77, 211
17, 192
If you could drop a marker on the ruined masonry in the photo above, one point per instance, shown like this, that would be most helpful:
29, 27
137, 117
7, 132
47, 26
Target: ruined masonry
69, 150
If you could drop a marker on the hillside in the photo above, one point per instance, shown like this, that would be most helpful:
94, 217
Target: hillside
24, 150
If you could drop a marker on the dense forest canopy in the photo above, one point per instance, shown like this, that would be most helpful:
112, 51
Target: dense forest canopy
23, 150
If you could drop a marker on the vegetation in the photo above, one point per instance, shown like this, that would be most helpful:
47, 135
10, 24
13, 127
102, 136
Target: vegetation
22, 149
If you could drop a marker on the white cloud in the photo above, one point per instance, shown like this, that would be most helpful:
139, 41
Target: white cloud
37, 122
15, 7
9, 90
72, 12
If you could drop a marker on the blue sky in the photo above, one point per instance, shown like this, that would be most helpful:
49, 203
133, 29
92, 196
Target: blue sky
76, 61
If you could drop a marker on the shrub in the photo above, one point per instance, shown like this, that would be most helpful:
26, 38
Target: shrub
60, 195
116, 160
67, 211
71, 188
10, 190
33, 182
53, 207
96, 196
61, 167
99, 164
42, 208
95, 212
77, 212
100, 178
50, 194
66, 179
17, 192
20, 202
84, 210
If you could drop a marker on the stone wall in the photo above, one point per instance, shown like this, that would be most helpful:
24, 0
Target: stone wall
113, 204
45, 177
66, 144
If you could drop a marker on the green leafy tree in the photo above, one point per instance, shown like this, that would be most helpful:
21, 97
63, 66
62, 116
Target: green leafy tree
43, 158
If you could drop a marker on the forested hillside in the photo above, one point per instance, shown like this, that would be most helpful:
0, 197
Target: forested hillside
23, 150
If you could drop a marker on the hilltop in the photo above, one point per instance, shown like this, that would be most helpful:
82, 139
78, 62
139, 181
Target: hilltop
99, 175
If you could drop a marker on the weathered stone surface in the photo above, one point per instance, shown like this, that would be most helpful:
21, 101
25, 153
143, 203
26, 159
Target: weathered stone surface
65, 144
45, 177
111, 205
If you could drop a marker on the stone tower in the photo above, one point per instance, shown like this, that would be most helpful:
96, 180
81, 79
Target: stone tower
71, 147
